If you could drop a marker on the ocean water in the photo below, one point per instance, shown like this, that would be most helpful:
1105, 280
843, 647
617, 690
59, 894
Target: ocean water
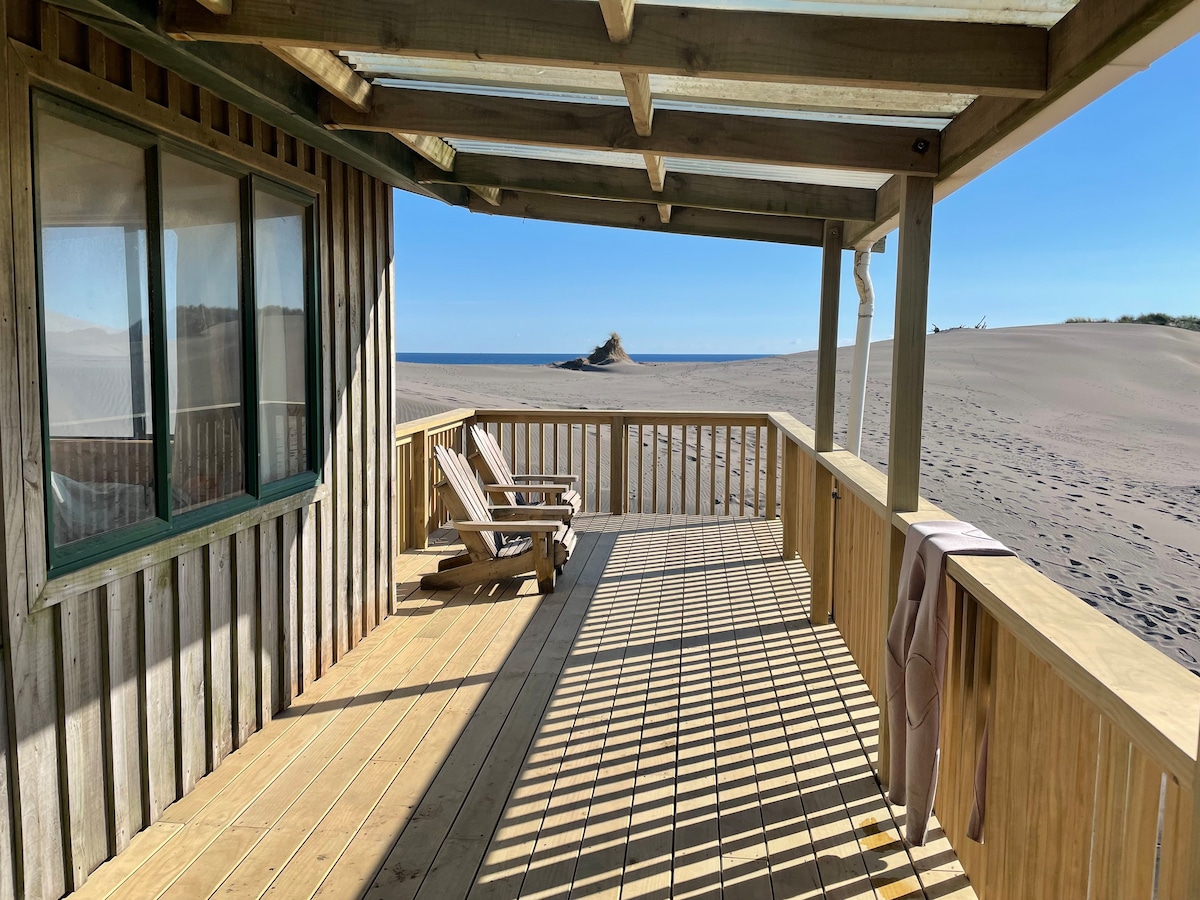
544, 359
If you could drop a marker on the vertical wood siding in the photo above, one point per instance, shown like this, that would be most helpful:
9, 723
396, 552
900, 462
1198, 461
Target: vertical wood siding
117, 700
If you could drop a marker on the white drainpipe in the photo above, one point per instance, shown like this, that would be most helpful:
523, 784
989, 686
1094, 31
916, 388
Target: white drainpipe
862, 348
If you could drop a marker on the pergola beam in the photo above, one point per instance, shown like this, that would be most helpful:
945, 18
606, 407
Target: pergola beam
777, 198
963, 57
801, 142
646, 217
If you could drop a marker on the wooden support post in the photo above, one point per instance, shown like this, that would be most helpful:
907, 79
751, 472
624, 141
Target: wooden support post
772, 470
1193, 874
822, 564
908, 391
419, 501
791, 499
617, 443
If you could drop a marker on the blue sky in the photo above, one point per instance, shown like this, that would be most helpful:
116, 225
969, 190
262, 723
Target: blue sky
1096, 218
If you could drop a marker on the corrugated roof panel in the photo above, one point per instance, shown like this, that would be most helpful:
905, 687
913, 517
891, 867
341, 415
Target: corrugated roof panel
1043, 13
708, 94
815, 97
792, 174
555, 78
555, 154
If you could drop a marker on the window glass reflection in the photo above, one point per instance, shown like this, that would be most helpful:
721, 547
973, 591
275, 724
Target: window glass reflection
91, 196
201, 216
280, 270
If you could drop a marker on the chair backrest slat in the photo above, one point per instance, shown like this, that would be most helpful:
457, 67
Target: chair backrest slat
465, 502
492, 464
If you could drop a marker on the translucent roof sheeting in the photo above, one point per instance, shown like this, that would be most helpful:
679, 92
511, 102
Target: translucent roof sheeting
554, 154
598, 86
797, 174
1042, 13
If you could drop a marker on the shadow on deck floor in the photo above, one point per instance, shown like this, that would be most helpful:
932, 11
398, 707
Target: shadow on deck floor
667, 724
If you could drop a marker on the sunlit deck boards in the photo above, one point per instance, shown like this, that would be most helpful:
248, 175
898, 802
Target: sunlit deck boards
667, 724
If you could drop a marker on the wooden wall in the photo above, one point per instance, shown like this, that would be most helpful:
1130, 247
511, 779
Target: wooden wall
124, 686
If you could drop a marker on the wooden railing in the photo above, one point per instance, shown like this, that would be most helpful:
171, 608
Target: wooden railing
418, 509
720, 463
699, 463
1092, 741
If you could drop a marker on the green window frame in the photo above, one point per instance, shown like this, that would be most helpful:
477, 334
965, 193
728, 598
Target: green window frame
168, 522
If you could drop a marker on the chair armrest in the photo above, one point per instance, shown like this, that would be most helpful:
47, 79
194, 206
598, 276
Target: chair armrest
524, 488
561, 513
547, 477
517, 526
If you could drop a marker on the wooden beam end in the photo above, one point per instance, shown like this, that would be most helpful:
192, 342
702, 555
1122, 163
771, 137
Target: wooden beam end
491, 195
218, 7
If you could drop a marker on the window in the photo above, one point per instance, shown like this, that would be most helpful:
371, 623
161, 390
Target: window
178, 327
202, 274
279, 242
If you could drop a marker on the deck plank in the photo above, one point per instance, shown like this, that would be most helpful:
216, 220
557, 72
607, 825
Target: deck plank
668, 724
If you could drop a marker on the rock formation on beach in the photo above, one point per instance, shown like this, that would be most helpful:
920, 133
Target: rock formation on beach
605, 354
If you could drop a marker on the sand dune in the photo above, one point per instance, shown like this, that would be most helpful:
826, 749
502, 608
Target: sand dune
1078, 445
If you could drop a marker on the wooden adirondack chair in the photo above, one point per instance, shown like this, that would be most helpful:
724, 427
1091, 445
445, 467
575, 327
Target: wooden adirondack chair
540, 541
498, 478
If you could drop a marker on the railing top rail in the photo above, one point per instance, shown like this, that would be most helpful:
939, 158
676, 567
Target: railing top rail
431, 423
1152, 698
631, 416
794, 430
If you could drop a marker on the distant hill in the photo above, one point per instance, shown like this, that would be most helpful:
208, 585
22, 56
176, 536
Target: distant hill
1190, 323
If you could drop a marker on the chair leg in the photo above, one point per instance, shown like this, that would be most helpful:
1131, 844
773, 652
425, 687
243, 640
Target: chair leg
543, 562
454, 561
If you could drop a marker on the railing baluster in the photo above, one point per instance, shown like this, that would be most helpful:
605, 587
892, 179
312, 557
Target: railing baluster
597, 464
583, 464
772, 470
654, 472
670, 469
742, 474
712, 470
640, 473
758, 471
699, 443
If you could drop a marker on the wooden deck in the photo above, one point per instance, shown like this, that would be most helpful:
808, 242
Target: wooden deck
667, 724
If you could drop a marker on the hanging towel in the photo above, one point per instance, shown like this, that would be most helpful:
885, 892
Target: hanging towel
916, 662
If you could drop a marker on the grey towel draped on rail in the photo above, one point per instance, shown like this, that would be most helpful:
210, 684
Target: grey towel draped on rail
917, 641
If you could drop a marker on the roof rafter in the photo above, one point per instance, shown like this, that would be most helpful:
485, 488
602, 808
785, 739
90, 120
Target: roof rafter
976, 58
656, 168
618, 19
327, 70
534, 176
646, 217
428, 147
801, 142
341, 81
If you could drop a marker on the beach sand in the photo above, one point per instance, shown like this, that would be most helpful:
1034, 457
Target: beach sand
1077, 445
